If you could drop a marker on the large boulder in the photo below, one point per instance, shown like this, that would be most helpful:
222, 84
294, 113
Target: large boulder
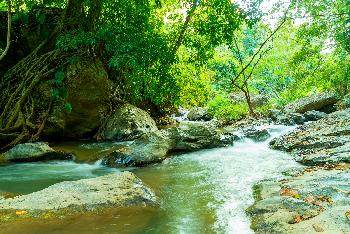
324, 141
31, 152
310, 201
193, 136
199, 114
128, 123
322, 102
113, 190
88, 91
156, 146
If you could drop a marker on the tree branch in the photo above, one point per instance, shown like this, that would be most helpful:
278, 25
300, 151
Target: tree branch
262, 46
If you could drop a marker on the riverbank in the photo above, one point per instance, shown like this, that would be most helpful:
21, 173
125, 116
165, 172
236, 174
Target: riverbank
315, 199
203, 191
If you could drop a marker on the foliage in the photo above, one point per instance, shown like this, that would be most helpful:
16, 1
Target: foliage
223, 108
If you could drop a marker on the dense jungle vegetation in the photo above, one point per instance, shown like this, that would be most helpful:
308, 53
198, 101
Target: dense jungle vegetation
164, 54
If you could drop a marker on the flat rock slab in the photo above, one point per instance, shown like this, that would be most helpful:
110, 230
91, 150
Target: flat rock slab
156, 146
32, 152
311, 201
314, 102
113, 190
321, 142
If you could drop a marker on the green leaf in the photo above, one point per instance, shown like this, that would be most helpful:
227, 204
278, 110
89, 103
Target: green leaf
59, 92
41, 18
59, 77
73, 60
68, 107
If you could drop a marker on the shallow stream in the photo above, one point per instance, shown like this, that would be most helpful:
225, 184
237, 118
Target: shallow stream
202, 192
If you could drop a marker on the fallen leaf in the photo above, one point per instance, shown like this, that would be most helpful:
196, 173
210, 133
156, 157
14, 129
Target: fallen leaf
288, 192
21, 212
318, 228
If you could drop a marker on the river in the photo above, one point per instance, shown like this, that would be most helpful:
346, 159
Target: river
201, 192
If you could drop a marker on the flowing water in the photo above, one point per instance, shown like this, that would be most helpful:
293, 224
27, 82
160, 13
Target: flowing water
202, 192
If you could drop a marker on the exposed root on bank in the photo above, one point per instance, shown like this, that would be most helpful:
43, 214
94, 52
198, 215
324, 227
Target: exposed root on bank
22, 115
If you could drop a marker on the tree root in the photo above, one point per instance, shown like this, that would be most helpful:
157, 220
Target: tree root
17, 106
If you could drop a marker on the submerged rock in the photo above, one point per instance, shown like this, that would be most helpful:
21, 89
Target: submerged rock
113, 190
314, 199
321, 101
128, 123
31, 152
324, 141
156, 146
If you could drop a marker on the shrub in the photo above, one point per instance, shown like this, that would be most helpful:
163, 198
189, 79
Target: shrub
223, 108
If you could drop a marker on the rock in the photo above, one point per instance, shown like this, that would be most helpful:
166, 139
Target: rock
31, 152
88, 91
150, 148
128, 123
257, 100
199, 114
288, 119
113, 190
324, 141
314, 197
227, 138
296, 118
256, 134
318, 101
194, 136
166, 122
156, 146
314, 115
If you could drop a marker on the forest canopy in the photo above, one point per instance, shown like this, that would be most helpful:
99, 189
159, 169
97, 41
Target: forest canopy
165, 54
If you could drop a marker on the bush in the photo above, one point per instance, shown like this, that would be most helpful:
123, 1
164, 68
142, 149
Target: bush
223, 108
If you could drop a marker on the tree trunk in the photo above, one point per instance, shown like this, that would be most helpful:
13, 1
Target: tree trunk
94, 14
8, 39
245, 90
189, 15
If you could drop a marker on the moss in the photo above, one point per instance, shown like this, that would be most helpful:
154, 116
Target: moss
257, 192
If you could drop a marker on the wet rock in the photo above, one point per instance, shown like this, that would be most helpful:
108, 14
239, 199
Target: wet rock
194, 136
128, 123
321, 101
113, 190
227, 138
324, 141
31, 152
315, 200
199, 114
256, 134
314, 115
288, 119
297, 118
150, 148
156, 146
